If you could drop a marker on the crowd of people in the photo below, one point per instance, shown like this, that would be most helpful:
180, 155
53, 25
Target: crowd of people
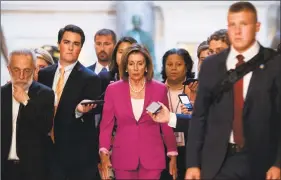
50, 131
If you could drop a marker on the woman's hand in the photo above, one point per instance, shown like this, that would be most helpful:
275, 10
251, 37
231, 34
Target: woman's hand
173, 167
184, 109
105, 165
193, 86
193, 90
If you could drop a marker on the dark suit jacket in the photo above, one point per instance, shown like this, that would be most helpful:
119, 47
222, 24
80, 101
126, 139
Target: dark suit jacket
75, 139
182, 122
105, 78
211, 122
33, 124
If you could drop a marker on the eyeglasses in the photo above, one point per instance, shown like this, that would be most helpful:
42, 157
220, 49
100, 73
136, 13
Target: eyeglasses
18, 71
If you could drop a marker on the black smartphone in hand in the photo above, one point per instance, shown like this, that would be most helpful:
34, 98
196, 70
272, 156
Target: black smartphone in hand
189, 81
185, 100
89, 102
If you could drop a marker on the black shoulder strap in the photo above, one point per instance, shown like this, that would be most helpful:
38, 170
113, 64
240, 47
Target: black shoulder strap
234, 75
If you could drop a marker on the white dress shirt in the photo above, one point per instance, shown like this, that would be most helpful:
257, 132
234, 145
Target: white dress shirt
68, 69
99, 67
15, 110
230, 64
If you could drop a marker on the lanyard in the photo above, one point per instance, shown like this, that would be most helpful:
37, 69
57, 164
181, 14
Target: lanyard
171, 103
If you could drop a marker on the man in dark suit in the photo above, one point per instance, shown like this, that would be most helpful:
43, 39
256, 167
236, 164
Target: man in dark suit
26, 118
238, 136
105, 40
75, 139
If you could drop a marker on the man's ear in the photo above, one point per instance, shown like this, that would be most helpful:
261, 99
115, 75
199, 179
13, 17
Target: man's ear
9, 69
258, 26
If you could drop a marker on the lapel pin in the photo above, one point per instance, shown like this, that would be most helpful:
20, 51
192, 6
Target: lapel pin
262, 66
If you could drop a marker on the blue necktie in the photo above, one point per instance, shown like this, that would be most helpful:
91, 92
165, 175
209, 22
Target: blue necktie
104, 73
103, 70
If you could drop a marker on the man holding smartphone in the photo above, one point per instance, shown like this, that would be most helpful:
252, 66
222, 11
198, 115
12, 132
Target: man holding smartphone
74, 152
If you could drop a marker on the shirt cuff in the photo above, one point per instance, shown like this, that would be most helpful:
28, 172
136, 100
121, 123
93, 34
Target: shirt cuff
173, 120
172, 153
78, 114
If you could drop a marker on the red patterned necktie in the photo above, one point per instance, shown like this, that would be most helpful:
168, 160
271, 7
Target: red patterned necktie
238, 107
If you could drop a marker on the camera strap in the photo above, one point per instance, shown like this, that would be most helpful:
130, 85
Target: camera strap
233, 75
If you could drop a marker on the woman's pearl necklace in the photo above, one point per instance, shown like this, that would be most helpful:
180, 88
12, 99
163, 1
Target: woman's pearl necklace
136, 91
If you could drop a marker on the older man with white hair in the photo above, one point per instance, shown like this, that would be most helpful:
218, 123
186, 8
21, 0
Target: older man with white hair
26, 118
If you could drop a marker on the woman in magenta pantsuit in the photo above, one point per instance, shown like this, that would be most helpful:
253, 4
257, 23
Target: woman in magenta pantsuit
138, 148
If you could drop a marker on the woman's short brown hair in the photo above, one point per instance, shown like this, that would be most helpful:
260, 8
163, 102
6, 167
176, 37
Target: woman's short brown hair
136, 48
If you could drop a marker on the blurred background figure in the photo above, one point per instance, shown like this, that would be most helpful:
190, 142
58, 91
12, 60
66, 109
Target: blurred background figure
104, 42
4, 50
43, 60
273, 25
118, 50
54, 52
276, 40
218, 41
142, 36
202, 53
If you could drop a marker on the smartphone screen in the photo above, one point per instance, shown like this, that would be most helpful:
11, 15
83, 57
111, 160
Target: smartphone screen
185, 100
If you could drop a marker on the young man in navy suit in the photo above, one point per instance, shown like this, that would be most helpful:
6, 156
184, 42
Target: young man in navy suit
238, 136
74, 153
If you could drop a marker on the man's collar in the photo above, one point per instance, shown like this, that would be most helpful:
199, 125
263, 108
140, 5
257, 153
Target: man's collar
248, 54
68, 67
99, 66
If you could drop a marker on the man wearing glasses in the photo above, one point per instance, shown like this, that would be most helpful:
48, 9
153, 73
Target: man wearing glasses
26, 119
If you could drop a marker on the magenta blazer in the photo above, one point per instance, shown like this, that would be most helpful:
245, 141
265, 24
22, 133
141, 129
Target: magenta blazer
135, 141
